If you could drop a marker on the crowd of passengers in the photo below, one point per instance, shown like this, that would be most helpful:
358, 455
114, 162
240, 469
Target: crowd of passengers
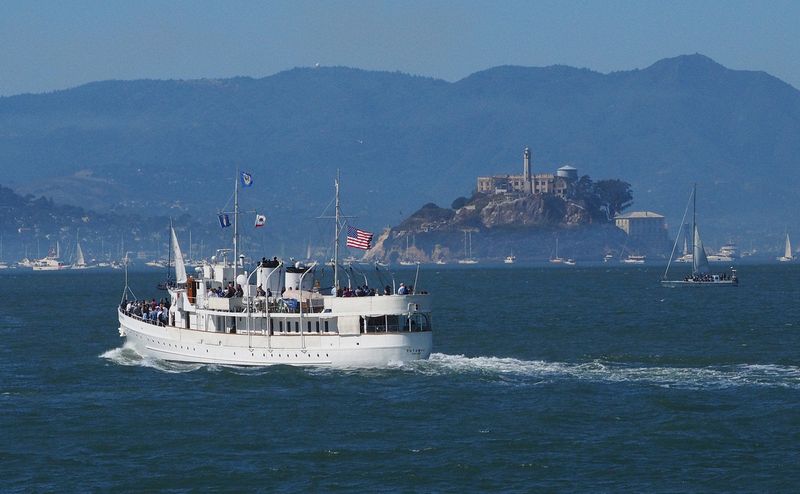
147, 310
366, 291
229, 292
706, 277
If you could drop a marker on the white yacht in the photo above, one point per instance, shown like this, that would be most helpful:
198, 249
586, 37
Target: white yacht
50, 263
281, 315
727, 253
510, 259
634, 259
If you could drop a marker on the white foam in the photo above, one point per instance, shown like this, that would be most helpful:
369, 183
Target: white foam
127, 355
537, 371
527, 372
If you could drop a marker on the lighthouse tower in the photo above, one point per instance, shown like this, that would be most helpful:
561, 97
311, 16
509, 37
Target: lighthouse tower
526, 172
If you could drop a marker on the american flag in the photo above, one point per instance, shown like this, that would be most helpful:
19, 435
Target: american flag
358, 239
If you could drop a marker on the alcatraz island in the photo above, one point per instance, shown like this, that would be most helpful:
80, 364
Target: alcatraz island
535, 216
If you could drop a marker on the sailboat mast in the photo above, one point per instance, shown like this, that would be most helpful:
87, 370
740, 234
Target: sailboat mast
694, 228
336, 237
236, 225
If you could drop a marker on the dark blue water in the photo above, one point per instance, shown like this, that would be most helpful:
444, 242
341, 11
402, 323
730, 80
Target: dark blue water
556, 379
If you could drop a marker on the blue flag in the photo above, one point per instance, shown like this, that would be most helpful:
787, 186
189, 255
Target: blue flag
224, 221
247, 179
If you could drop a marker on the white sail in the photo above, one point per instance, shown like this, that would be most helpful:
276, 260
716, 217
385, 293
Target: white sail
180, 268
79, 260
700, 261
787, 251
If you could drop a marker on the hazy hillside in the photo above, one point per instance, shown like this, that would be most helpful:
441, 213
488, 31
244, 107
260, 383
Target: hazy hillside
402, 141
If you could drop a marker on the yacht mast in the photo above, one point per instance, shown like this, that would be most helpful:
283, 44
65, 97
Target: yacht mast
336, 237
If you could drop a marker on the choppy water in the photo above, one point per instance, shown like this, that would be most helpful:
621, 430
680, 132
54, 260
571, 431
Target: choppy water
589, 379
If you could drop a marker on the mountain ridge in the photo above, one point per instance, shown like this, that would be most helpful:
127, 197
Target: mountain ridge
405, 140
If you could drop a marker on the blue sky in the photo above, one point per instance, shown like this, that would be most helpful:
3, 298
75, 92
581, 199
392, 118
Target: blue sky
49, 45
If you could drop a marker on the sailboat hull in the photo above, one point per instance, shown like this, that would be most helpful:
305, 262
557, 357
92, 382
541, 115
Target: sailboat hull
676, 283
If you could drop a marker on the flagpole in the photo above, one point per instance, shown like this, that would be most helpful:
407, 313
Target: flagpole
236, 226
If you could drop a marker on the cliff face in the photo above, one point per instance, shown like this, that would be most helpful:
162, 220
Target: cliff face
499, 224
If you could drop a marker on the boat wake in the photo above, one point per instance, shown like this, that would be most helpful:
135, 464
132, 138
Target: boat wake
539, 372
525, 372
126, 355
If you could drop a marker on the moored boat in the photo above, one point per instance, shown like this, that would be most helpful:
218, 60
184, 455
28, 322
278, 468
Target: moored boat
51, 262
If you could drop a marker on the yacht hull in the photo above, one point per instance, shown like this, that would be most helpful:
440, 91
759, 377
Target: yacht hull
308, 349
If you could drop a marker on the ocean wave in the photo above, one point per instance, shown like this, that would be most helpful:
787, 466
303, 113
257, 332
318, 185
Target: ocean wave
536, 371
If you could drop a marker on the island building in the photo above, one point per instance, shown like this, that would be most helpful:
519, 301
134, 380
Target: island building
645, 229
529, 183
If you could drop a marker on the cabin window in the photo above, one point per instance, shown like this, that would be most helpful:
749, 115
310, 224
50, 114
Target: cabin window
317, 325
280, 326
419, 322
296, 327
326, 326
309, 326
271, 325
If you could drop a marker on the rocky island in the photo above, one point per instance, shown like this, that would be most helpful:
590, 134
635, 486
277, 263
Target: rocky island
526, 214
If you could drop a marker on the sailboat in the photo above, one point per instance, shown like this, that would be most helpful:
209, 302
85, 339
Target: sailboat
3, 264
556, 259
511, 258
701, 272
405, 260
80, 261
787, 251
468, 259
686, 256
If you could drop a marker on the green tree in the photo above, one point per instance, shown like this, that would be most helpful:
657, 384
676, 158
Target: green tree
616, 195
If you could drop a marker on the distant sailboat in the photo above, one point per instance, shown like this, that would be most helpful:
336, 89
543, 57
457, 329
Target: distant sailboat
405, 260
511, 258
701, 271
686, 255
80, 260
556, 259
3, 264
787, 251
468, 259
